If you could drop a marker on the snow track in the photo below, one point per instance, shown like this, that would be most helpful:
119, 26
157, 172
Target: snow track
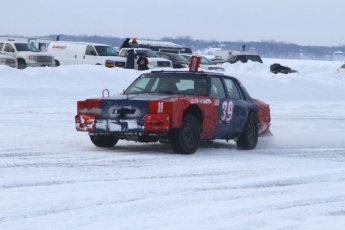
52, 177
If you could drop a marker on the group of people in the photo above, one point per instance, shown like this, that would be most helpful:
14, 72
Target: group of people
142, 61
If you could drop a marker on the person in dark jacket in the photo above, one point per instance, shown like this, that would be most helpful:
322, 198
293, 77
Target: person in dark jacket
142, 62
125, 44
130, 59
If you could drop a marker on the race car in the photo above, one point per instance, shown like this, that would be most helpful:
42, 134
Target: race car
180, 108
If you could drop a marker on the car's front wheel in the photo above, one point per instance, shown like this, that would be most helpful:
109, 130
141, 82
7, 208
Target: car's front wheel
21, 65
249, 137
104, 141
185, 140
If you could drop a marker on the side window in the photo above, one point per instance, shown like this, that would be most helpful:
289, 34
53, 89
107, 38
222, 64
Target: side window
166, 56
124, 53
232, 89
203, 61
1, 45
217, 89
90, 50
9, 48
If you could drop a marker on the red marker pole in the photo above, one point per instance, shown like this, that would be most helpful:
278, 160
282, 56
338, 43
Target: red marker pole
194, 63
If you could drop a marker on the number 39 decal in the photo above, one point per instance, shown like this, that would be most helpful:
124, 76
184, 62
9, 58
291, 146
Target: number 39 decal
227, 110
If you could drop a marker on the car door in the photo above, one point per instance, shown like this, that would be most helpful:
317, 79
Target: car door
9, 50
231, 111
90, 56
217, 91
240, 106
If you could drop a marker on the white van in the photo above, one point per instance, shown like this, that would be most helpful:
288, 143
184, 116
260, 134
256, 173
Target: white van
74, 53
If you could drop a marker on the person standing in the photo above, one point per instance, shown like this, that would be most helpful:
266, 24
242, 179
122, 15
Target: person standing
142, 62
125, 44
130, 59
134, 43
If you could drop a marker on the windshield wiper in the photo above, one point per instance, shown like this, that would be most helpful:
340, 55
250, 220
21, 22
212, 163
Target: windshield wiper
142, 89
167, 91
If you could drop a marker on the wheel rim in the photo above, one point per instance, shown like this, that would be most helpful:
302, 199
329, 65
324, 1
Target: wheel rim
189, 137
251, 132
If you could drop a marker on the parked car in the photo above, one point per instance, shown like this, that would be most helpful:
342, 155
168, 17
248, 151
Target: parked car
278, 68
178, 61
341, 69
8, 60
233, 56
179, 108
205, 63
154, 60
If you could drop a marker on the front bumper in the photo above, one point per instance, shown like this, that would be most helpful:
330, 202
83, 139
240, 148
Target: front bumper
40, 64
150, 124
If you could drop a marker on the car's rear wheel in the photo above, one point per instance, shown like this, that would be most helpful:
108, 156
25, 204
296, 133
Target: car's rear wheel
104, 141
249, 137
185, 140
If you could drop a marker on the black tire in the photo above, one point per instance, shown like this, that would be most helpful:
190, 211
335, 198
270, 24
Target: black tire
57, 63
21, 65
185, 140
249, 137
104, 141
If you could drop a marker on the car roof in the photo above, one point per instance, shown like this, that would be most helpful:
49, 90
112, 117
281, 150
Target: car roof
200, 72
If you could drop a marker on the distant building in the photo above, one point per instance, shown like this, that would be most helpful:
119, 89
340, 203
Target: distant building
338, 56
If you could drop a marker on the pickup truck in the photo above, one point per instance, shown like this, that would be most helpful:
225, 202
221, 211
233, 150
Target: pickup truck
154, 60
26, 54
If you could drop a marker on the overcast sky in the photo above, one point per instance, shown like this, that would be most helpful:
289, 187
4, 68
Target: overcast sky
304, 22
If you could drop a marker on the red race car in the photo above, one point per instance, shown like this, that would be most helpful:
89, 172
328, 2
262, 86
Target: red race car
177, 107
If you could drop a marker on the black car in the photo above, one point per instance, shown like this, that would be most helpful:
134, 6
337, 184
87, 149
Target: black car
178, 61
238, 56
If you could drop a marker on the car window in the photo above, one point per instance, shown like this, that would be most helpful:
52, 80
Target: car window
90, 50
164, 56
217, 89
343, 66
180, 58
169, 83
1, 45
232, 89
8, 48
187, 57
205, 61
106, 51
26, 47
148, 53
254, 58
124, 53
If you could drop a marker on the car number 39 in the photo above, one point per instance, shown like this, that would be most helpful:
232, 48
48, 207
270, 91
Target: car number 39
227, 111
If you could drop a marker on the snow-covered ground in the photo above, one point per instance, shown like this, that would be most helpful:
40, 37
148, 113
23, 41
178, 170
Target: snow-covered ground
52, 177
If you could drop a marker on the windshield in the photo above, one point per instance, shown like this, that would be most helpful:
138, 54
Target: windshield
25, 47
205, 61
169, 83
187, 57
148, 53
179, 58
106, 51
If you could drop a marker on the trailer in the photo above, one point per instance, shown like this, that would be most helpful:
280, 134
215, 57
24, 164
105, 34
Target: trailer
41, 43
